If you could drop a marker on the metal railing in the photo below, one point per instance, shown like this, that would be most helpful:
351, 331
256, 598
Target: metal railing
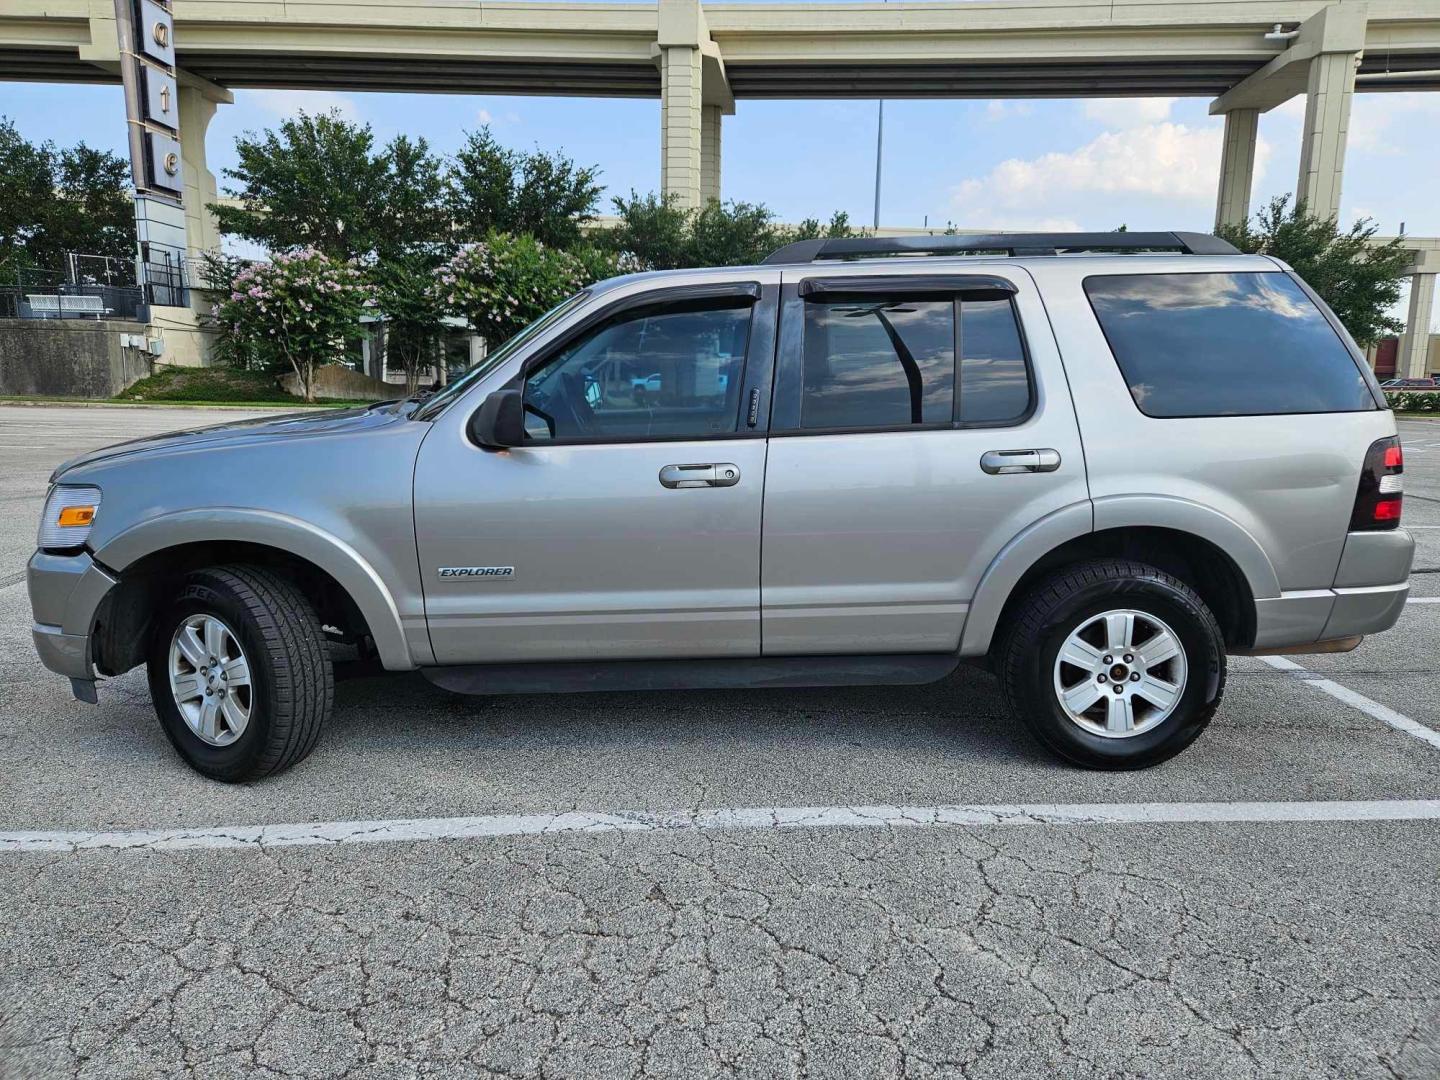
67, 301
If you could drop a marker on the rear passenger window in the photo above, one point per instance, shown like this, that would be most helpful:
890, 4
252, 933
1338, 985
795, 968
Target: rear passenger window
994, 382
885, 362
1243, 344
878, 362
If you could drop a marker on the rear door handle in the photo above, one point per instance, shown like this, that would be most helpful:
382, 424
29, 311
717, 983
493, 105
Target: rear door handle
1001, 462
719, 474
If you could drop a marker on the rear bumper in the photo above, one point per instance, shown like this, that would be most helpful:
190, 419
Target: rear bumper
65, 593
1371, 587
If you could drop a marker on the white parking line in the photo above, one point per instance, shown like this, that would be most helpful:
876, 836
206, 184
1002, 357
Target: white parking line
1423, 600
1383, 713
772, 818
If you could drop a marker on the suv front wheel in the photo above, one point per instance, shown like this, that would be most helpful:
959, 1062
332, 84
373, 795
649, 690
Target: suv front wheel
1113, 664
240, 673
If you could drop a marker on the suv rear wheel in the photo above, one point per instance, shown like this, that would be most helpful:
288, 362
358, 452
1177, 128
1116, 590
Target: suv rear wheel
240, 674
1113, 664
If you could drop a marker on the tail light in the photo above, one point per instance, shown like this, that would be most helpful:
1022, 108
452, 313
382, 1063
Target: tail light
1377, 502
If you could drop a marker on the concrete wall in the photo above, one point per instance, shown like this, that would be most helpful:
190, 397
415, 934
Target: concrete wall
334, 381
68, 357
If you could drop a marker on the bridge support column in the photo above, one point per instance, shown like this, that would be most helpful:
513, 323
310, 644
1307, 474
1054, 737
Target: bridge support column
1414, 359
710, 153
1237, 167
1319, 63
196, 112
1329, 90
694, 94
680, 125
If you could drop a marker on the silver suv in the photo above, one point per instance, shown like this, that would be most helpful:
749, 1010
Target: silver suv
1097, 463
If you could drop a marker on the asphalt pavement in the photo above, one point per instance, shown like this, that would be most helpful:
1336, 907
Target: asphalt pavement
680, 884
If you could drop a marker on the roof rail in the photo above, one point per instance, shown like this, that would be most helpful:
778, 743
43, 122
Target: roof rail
1184, 243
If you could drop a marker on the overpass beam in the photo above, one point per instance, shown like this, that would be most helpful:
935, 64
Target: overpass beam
1237, 167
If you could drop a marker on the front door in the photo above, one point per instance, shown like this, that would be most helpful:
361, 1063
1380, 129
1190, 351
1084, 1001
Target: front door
904, 408
628, 524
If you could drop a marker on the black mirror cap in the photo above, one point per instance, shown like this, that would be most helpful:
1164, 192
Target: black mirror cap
499, 423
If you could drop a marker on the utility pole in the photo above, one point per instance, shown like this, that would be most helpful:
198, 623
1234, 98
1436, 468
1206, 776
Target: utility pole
879, 145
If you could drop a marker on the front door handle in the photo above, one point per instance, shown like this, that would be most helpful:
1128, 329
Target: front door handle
1001, 462
719, 474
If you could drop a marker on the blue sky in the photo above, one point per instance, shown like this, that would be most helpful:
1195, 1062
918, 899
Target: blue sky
1146, 163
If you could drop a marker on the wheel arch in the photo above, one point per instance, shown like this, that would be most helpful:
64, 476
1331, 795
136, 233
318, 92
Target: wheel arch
1202, 547
336, 579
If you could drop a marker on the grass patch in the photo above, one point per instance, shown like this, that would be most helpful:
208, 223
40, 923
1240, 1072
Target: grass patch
213, 385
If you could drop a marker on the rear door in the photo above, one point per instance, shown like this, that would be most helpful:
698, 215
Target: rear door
919, 424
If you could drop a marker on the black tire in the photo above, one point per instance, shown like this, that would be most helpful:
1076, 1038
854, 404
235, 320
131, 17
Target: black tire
1058, 605
292, 684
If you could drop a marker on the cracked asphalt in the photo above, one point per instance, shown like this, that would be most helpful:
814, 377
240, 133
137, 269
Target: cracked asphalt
1248, 949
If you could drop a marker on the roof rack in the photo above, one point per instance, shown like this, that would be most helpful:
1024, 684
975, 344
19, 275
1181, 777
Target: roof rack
1013, 244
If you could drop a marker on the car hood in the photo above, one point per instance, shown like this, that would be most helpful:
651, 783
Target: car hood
241, 432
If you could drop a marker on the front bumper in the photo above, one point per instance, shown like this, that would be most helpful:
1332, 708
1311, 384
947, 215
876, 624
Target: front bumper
65, 593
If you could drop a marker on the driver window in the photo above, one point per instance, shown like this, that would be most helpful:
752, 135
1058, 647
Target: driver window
654, 371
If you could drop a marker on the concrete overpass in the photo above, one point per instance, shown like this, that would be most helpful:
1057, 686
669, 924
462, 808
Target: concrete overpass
698, 60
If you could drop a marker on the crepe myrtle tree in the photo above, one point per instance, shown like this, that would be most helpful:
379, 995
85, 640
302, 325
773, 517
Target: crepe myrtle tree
507, 281
296, 311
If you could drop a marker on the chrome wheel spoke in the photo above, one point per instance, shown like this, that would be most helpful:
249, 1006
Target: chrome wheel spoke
237, 672
1158, 692
188, 687
236, 717
1081, 696
209, 714
1119, 716
1160, 648
191, 647
1081, 654
214, 638
1119, 630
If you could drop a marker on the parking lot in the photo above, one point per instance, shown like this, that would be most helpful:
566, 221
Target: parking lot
841, 883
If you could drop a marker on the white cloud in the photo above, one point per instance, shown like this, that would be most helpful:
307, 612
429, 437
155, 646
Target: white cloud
1129, 112
484, 116
1175, 167
287, 103
1005, 110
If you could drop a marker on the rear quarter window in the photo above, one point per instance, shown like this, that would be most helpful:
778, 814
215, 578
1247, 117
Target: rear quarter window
1233, 344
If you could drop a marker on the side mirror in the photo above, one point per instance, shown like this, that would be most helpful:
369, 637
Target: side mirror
500, 421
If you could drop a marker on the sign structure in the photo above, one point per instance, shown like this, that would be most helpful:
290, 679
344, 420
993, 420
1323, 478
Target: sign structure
146, 31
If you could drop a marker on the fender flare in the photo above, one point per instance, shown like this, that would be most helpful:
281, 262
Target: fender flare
289, 534
1111, 512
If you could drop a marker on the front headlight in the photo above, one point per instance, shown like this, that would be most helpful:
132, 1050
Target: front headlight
69, 512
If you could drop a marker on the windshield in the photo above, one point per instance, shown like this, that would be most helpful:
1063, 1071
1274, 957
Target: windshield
493, 359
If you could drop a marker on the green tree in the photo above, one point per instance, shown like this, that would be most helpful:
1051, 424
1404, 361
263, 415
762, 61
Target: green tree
319, 182
664, 236
54, 201
296, 312
1359, 278
491, 187
410, 298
